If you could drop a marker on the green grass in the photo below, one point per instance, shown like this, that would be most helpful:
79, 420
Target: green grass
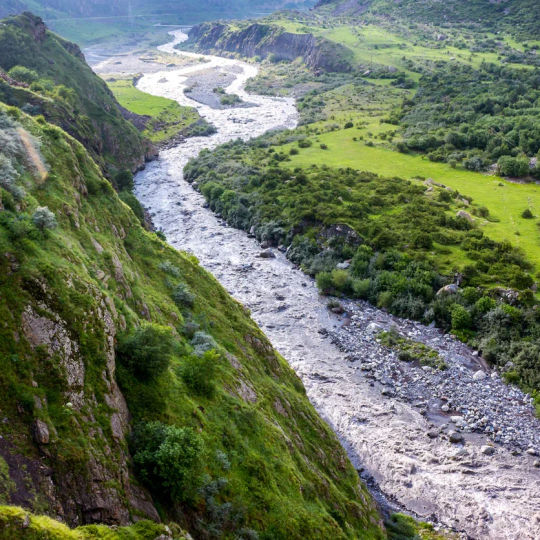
505, 200
18, 523
168, 117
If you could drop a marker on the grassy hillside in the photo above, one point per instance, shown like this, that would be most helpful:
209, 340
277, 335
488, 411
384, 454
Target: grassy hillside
519, 17
224, 437
17, 523
164, 119
49, 76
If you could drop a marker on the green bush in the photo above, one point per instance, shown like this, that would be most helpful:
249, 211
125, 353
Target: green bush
202, 342
461, 318
128, 198
146, 352
325, 283
182, 296
527, 214
198, 372
168, 459
512, 166
23, 74
44, 219
123, 180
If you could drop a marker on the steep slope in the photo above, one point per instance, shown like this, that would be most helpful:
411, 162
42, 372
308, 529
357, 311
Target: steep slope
226, 442
266, 40
54, 80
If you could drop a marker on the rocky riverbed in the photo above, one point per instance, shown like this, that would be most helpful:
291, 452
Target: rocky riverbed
456, 446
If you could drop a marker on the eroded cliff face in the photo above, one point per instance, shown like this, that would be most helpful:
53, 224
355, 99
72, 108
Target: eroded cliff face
264, 40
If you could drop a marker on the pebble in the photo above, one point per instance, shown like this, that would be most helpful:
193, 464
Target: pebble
479, 376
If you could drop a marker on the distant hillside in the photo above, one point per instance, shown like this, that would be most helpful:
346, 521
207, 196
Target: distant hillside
515, 16
49, 76
86, 21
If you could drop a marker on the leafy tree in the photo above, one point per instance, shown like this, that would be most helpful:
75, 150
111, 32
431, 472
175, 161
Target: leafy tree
146, 352
168, 459
23, 74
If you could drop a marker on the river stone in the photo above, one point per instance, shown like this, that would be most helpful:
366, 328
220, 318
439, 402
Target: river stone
267, 254
487, 450
479, 375
455, 437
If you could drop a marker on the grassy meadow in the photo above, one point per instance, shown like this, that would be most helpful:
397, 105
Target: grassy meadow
168, 118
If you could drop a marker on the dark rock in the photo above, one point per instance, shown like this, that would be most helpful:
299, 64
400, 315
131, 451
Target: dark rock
267, 254
40, 432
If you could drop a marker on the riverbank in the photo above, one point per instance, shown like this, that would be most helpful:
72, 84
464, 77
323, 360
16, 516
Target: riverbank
485, 495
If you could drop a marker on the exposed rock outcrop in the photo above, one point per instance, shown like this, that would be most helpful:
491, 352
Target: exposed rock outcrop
264, 40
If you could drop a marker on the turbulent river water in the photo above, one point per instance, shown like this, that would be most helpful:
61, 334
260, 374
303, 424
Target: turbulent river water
392, 419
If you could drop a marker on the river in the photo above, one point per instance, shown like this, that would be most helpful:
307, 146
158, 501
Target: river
390, 417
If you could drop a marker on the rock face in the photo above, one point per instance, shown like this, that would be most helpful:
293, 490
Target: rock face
264, 40
104, 493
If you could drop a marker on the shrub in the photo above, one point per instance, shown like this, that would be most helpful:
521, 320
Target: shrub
461, 318
198, 372
361, 288
128, 198
305, 143
182, 296
168, 459
340, 279
44, 219
123, 180
348, 125
325, 282
23, 74
146, 352
527, 214
512, 166
294, 151
8, 178
202, 342
169, 268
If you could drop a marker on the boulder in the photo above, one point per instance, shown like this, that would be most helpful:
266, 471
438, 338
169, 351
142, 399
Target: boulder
487, 450
455, 437
448, 289
465, 215
40, 432
267, 254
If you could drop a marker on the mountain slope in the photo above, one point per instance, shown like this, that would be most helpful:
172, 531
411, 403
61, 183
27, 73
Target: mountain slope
88, 298
56, 81
520, 17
